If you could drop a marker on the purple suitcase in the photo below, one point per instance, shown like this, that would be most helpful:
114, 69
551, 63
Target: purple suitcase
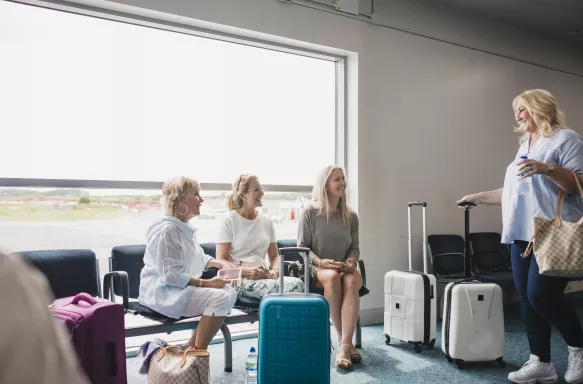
96, 329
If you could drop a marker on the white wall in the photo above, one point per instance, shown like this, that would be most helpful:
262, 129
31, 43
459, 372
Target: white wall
433, 120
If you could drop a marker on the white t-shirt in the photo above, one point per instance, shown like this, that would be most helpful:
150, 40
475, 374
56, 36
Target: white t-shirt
249, 239
564, 149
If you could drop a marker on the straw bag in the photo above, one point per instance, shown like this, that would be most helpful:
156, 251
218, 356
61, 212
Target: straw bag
558, 244
173, 365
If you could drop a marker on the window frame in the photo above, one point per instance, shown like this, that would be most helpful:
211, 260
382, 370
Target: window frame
130, 15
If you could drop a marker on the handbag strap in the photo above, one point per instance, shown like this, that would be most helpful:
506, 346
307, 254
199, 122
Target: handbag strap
578, 181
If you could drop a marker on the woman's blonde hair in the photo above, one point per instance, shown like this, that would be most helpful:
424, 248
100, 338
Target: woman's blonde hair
175, 192
320, 201
544, 110
239, 186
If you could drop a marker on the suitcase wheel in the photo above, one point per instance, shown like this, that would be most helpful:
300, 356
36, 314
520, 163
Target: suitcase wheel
500, 361
387, 339
449, 359
417, 348
460, 364
431, 344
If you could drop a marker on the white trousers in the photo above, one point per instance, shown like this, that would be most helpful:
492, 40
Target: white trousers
211, 302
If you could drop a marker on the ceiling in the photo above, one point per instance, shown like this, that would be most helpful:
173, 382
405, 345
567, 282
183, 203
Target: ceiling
557, 19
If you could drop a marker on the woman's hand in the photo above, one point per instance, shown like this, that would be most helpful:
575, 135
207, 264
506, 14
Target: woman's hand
351, 265
474, 199
216, 282
337, 266
529, 167
274, 274
255, 273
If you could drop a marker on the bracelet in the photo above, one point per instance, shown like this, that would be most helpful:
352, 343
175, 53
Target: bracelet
200, 283
319, 263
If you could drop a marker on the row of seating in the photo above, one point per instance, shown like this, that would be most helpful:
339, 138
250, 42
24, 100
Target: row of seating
77, 270
489, 259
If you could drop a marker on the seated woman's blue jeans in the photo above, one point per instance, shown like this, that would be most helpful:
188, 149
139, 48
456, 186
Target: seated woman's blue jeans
542, 302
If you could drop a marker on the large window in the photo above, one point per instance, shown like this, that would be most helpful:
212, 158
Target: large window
98, 112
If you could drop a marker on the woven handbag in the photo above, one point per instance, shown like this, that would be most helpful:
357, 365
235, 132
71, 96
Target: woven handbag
173, 365
558, 244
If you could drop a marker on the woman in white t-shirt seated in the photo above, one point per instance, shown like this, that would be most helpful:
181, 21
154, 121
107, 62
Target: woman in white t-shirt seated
246, 236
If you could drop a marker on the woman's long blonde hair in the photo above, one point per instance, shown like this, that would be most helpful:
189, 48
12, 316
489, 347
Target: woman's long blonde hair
175, 192
544, 110
320, 201
239, 186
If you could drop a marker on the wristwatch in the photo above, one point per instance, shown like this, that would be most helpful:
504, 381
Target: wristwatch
550, 169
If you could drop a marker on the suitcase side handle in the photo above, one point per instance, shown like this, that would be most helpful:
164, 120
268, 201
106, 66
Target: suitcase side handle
302, 251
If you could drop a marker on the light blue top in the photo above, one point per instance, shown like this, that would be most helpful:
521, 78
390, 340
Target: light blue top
564, 149
172, 257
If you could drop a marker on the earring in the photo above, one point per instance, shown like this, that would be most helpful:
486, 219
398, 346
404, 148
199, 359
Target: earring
180, 213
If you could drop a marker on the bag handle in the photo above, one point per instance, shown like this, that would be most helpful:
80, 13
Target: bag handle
84, 297
183, 354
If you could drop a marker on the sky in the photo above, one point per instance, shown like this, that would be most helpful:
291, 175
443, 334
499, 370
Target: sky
86, 98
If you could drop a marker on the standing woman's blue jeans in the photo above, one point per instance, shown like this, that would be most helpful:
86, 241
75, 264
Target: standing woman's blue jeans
542, 302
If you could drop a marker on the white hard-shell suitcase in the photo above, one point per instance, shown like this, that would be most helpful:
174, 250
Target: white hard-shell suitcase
473, 322
410, 311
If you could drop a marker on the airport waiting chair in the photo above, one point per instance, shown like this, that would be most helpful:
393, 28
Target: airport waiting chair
491, 259
68, 271
446, 253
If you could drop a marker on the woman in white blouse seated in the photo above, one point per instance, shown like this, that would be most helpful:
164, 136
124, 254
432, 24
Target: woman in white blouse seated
246, 236
170, 281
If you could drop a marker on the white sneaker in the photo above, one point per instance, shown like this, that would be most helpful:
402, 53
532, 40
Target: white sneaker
533, 371
574, 372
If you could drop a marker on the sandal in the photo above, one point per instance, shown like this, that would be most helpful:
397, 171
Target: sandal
355, 356
342, 362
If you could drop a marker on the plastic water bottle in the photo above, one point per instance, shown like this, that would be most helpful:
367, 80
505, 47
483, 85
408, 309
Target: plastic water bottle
251, 367
524, 185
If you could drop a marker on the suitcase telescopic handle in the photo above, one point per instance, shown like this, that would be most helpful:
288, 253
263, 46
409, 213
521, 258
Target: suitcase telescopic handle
410, 239
305, 253
468, 267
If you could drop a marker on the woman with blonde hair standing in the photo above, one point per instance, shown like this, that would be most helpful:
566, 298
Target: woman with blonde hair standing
170, 282
246, 236
329, 227
548, 154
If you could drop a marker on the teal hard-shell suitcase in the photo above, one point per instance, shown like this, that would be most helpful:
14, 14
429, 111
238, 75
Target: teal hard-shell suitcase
294, 334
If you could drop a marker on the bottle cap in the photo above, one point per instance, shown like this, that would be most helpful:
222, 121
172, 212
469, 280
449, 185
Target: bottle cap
523, 157
252, 350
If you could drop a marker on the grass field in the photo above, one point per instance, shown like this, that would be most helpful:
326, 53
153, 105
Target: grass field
49, 212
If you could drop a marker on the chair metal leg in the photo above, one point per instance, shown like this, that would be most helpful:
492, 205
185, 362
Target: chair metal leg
228, 348
358, 334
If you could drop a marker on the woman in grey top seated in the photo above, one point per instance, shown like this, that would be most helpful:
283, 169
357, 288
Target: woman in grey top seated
330, 229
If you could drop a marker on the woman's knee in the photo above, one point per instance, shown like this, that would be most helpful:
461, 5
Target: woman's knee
225, 298
352, 281
539, 300
329, 278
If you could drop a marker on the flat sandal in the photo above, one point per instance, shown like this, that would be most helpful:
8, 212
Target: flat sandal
342, 362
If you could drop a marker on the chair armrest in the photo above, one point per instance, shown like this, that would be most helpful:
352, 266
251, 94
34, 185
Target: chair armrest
123, 282
362, 272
